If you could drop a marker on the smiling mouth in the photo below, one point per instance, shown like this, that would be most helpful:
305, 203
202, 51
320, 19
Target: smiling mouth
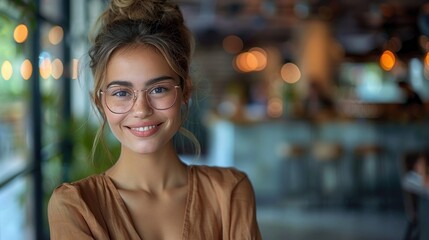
144, 129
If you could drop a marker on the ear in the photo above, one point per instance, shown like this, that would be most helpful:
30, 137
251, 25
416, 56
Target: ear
187, 90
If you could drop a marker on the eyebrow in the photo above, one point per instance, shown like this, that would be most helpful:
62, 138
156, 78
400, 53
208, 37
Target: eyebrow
148, 83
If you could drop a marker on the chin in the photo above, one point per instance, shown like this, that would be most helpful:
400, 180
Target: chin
144, 148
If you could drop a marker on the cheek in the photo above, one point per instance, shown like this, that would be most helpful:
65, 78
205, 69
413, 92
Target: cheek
175, 115
112, 119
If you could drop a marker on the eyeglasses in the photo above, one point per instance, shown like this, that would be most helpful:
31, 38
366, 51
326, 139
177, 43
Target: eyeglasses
121, 99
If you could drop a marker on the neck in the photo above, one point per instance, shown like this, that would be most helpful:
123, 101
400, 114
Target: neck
153, 172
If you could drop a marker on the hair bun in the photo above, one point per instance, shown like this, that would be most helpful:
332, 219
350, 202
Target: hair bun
161, 11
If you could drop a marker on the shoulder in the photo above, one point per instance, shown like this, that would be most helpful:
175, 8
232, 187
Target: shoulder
219, 173
223, 177
75, 210
81, 185
74, 192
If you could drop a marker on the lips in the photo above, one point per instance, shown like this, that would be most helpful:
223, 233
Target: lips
144, 131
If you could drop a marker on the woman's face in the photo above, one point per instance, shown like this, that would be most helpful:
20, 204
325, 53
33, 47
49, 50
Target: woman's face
143, 129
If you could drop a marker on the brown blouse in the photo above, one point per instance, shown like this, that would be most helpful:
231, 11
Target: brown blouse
220, 205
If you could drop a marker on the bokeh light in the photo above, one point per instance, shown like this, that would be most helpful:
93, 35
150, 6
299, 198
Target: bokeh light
55, 35
290, 73
249, 60
245, 62
261, 58
275, 107
57, 69
45, 65
20, 33
253, 60
26, 69
387, 60
6, 70
75, 65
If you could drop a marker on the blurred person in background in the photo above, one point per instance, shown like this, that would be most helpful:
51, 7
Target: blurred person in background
415, 184
140, 60
416, 180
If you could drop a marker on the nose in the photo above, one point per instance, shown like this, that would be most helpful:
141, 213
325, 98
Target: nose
141, 106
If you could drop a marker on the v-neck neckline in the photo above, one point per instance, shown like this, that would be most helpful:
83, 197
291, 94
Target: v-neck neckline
189, 199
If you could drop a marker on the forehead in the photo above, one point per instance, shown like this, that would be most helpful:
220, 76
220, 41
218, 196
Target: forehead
137, 64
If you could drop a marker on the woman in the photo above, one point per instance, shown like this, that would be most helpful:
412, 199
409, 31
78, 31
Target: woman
140, 61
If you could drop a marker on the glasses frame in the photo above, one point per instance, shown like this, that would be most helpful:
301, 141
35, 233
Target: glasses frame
135, 96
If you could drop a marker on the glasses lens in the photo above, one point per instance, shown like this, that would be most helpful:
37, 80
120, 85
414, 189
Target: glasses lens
162, 96
119, 99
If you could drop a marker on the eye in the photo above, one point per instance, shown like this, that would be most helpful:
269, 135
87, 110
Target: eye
120, 92
160, 89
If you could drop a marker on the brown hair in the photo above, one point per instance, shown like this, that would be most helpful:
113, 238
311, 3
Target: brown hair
127, 23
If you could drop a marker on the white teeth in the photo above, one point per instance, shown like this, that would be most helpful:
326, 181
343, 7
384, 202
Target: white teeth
143, 129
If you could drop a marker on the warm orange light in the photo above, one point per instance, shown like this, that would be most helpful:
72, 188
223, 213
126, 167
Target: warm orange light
253, 60
387, 60
75, 64
290, 73
246, 62
275, 107
55, 35
236, 64
26, 69
6, 70
20, 33
57, 69
261, 58
232, 44
45, 68
250, 60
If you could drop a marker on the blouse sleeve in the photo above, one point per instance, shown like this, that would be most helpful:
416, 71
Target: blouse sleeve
65, 215
244, 224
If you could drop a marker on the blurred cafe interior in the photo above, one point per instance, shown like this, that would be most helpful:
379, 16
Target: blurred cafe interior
320, 102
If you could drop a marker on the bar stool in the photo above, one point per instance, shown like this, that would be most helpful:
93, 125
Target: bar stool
294, 175
369, 175
327, 172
